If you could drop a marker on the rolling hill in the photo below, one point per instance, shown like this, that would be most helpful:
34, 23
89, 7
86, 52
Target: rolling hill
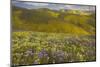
47, 20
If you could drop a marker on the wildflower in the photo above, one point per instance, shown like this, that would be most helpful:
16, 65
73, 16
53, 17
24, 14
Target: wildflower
43, 53
29, 52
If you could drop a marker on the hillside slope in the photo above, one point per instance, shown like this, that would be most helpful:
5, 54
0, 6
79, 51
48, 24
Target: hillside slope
46, 20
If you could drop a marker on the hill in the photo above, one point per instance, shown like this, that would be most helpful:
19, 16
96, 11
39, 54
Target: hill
47, 20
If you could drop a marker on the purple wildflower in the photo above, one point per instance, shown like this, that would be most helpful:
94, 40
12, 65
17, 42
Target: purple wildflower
40, 55
43, 53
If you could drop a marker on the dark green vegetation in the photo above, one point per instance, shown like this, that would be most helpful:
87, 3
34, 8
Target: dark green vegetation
42, 36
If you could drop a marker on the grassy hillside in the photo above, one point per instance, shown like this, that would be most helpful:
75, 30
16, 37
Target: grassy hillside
46, 20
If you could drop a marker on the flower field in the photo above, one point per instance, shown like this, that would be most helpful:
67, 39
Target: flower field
43, 48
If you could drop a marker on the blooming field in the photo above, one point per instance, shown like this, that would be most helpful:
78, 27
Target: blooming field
43, 48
